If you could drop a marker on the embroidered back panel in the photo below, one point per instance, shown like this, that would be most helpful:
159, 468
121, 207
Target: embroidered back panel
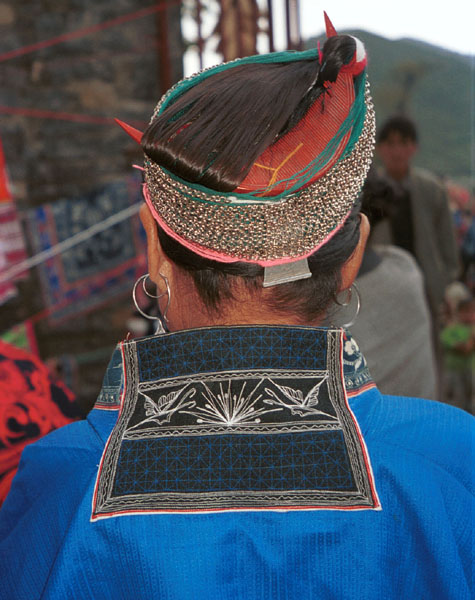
235, 418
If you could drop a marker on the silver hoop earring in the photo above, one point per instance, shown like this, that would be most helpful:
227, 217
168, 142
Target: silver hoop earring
349, 295
142, 279
144, 287
168, 293
348, 301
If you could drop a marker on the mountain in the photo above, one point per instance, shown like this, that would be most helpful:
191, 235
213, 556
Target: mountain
434, 86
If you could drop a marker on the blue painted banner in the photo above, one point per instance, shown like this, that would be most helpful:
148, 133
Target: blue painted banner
98, 269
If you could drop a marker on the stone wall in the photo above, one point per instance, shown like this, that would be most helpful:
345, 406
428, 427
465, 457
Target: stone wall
114, 72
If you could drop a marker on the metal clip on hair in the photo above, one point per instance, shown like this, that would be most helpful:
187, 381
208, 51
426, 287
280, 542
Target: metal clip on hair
286, 273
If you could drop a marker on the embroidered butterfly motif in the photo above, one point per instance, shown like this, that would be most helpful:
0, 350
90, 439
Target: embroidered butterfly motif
295, 401
161, 410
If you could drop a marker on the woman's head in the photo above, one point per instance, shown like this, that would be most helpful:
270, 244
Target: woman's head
258, 164
206, 292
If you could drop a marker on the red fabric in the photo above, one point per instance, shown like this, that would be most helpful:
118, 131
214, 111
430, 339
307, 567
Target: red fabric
293, 153
32, 404
5, 195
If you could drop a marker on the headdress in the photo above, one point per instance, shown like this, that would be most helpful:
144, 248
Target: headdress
298, 192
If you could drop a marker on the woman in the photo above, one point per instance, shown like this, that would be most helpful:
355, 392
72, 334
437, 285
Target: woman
393, 327
247, 454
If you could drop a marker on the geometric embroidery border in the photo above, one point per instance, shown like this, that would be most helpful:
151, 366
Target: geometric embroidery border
291, 463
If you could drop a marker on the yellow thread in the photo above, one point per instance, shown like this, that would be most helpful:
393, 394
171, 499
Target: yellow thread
264, 167
276, 169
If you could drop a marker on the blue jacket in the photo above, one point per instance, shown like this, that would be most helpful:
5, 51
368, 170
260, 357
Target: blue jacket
244, 463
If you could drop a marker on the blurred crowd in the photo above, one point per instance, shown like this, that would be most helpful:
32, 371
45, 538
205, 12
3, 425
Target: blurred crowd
417, 279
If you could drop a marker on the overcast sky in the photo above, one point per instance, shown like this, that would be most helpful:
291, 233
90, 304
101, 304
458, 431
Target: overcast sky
448, 24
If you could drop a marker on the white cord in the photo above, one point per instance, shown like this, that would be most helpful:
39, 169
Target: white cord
41, 257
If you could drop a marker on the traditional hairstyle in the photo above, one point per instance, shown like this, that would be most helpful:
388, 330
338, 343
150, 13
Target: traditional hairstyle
213, 133
258, 163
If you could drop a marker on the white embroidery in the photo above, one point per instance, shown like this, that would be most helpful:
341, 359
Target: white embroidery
162, 409
352, 355
297, 404
228, 408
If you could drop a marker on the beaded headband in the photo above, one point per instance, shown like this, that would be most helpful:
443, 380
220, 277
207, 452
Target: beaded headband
297, 194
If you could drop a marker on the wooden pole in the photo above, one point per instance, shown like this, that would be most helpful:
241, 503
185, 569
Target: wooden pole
200, 41
270, 20
164, 75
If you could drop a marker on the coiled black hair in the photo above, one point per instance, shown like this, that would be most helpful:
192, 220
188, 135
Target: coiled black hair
212, 135
214, 132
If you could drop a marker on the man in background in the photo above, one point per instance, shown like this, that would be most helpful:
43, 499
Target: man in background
419, 219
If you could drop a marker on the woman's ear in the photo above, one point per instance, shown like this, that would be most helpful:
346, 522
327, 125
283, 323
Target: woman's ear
157, 260
350, 269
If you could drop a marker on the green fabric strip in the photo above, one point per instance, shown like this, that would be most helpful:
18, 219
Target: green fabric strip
354, 122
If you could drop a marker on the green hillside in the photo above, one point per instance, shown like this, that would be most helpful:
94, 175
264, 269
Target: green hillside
434, 86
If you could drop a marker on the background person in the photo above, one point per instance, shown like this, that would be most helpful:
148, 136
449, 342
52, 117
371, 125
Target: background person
393, 327
458, 341
420, 219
